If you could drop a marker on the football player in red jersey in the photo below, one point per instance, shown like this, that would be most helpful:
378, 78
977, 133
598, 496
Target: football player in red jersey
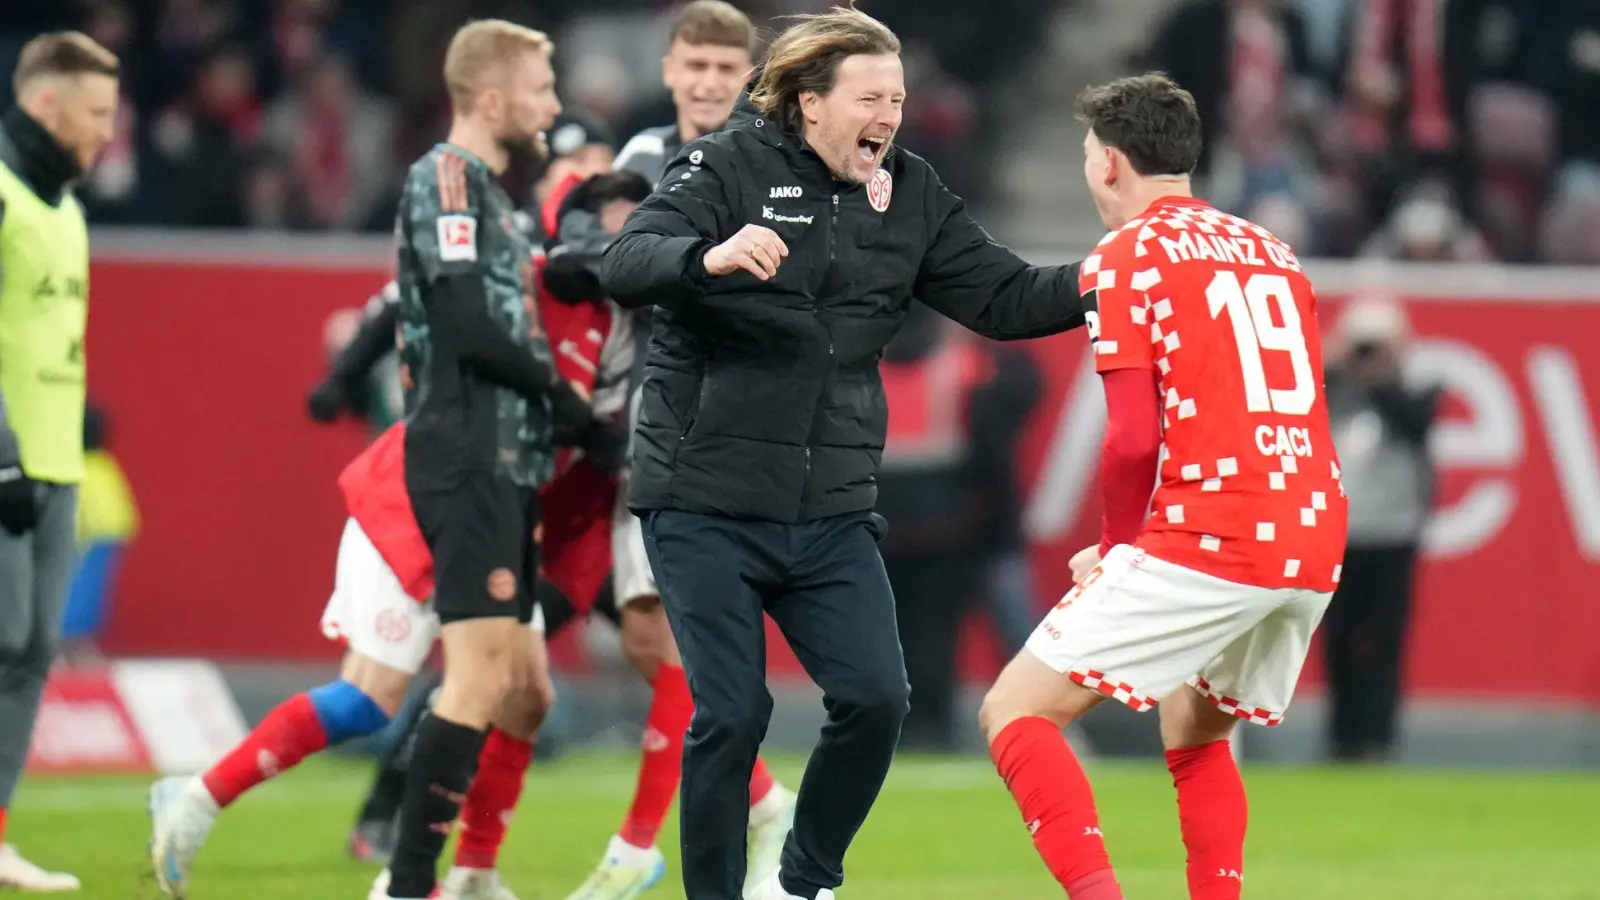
1202, 598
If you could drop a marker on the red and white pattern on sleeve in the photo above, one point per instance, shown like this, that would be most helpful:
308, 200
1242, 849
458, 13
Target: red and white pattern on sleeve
1249, 484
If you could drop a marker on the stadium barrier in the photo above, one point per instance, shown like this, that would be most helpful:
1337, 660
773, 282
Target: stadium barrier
203, 345
134, 716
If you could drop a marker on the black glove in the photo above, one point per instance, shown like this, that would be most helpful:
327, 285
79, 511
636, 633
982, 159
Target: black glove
606, 445
570, 415
330, 398
19, 504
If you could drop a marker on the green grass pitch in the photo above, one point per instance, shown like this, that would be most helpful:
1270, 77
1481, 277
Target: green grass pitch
943, 830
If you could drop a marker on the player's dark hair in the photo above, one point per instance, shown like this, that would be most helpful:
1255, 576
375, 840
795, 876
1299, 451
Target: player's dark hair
1149, 118
612, 186
62, 53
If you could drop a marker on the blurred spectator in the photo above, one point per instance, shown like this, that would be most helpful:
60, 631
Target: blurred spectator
269, 199
1000, 409
1246, 63
955, 414
941, 118
1427, 227
110, 193
1380, 429
108, 520
339, 139
200, 140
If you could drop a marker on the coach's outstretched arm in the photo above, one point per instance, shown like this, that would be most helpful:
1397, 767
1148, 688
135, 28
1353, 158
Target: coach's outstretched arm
975, 281
658, 259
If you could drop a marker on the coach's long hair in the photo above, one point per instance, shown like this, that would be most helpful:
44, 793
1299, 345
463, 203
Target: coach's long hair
806, 57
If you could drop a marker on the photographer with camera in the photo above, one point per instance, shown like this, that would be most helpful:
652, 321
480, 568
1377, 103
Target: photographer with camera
1380, 428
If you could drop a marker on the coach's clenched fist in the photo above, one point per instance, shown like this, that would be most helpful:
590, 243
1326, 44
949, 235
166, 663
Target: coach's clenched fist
754, 249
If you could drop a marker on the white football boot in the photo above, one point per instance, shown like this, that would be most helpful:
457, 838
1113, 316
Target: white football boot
625, 873
182, 813
770, 822
770, 888
17, 874
474, 884
380, 889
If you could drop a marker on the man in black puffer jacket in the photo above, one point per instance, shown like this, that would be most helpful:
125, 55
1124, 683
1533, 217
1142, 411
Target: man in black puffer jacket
782, 254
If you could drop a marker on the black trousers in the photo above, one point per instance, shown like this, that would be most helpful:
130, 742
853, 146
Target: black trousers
823, 583
932, 594
1365, 629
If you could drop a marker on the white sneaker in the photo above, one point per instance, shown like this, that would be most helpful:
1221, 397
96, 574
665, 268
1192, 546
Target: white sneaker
770, 888
770, 822
380, 889
474, 884
181, 815
625, 873
17, 874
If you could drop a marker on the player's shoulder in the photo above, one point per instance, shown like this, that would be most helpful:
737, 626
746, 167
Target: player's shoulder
1114, 258
448, 172
646, 152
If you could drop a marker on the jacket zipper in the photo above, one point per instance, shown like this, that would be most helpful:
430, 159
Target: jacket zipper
816, 309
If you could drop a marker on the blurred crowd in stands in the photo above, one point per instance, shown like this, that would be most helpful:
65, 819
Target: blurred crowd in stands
1411, 129
1444, 130
299, 114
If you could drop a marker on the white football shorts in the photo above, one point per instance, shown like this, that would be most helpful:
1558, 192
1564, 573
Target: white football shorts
630, 569
1139, 627
373, 615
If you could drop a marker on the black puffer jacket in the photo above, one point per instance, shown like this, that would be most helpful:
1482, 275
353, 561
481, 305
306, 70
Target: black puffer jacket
762, 400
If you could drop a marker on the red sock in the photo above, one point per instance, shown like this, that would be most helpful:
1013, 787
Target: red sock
502, 768
760, 782
1212, 813
661, 764
2, 824
1053, 793
288, 734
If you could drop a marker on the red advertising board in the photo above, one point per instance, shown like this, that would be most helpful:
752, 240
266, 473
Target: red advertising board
203, 363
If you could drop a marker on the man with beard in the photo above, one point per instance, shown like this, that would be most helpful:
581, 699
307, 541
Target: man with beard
485, 408
782, 253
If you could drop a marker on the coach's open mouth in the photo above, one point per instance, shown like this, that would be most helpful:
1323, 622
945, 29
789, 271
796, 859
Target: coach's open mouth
871, 148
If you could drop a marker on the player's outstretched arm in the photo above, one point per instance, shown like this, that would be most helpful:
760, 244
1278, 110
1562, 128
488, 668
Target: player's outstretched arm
969, 278
658, 259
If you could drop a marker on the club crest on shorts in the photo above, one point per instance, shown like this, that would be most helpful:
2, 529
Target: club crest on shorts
879, 189
502, 585
392, 626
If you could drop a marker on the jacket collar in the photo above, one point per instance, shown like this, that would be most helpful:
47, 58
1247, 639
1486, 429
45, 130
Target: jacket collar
32, 152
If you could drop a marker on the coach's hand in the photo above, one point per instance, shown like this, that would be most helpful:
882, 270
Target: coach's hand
327, 400
754, 249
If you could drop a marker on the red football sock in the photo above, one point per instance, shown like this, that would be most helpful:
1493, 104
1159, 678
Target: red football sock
760, 782
661, 764
1053, 792
2, 824
1212, 813
288, 734
502, 767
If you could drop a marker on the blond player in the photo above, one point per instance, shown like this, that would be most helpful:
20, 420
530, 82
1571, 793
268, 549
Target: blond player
1203, 598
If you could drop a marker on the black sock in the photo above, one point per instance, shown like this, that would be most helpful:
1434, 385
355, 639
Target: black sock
388, 789
442, 765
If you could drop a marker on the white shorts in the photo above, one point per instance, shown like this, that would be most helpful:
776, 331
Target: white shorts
1142, 627
632, 579
373, 615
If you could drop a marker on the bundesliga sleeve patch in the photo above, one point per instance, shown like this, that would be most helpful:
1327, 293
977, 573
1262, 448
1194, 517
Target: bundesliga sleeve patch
458, 239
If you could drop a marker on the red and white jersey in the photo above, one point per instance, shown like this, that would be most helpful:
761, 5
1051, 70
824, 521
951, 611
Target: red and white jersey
593, 347
1219, 308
